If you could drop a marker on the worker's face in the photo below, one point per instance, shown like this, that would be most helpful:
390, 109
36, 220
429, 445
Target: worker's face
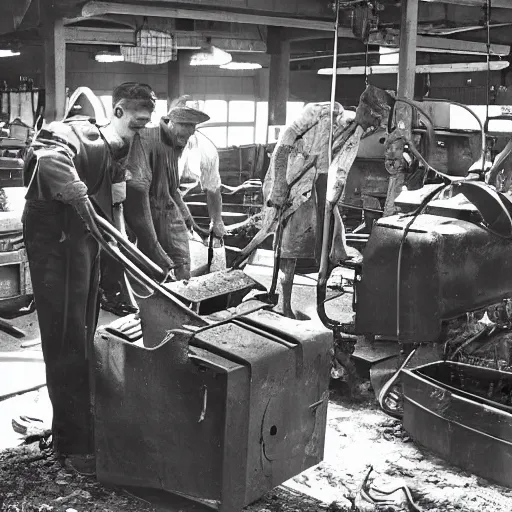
128, 121
182, 132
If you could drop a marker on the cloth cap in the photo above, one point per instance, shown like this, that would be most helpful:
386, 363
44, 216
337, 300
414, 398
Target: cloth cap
187, 115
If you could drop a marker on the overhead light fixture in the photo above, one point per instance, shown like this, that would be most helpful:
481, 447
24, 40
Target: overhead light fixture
210, 56
388, 56
109, 57
241, 65
8, 53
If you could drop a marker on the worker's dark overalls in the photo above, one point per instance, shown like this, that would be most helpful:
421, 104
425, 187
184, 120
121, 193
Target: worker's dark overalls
64, 267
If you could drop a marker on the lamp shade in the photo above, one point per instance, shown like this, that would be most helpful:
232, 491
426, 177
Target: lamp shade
241, 65
8, 53
210, 56
109, 57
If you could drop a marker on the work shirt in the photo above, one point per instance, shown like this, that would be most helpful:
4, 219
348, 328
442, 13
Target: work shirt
199, 163
94, 163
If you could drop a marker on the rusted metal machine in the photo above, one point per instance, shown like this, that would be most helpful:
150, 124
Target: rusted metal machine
218, 407
415, 264
434, 280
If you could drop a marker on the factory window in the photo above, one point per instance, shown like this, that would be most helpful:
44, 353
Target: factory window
261, 122
216, 134
242, 111
461, 119
239, 122
216, 109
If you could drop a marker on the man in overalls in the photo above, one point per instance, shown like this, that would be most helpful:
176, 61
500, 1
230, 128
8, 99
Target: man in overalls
69, 162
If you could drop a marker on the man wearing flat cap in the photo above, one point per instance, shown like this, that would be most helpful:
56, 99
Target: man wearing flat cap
159, 180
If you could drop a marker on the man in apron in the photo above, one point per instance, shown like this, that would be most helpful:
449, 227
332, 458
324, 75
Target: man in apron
172, 220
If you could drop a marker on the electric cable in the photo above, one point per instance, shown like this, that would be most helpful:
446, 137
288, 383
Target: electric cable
456, 103
488, 33
366, 81
334, 79
406, 230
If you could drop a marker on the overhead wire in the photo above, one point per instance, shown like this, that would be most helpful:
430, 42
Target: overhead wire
334, 79
488, 33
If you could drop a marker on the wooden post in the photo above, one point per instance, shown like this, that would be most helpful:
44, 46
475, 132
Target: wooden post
278, 45
175, 79
54, 65
405, 89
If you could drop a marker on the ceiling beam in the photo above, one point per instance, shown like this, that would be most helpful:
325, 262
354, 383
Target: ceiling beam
115, 21
105, 36
439, 44
195, 40
500, 4
459, 67
299, 8
98, 8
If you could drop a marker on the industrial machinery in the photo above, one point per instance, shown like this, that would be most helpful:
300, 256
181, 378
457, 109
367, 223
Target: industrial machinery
433, 282
16, 287
430, 272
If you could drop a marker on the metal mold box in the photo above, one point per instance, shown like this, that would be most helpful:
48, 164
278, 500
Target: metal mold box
221, 417
447, 410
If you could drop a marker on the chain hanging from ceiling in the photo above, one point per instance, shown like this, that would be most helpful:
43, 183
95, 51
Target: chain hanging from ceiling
152, 47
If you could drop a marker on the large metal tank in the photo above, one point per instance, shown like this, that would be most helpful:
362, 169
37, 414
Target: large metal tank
221, 416
448, 267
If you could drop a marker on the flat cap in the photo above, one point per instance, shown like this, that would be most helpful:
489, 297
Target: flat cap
184, 114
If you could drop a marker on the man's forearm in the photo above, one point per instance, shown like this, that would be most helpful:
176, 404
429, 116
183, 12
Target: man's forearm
214, 202
185, 212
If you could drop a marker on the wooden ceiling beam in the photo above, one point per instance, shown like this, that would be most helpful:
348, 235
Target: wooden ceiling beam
496, 4
458, 67
98, 8
440, 44
103, 36
304, 8
195, 40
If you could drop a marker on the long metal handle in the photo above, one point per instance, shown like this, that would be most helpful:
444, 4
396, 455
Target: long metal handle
88, 214
149, 265
325, 270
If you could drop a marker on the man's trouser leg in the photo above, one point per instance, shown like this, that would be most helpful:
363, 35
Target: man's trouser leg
173, 235
64, 267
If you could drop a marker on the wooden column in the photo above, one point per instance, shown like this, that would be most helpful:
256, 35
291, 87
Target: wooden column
278, 46
54, 66
176, 78
405, 89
